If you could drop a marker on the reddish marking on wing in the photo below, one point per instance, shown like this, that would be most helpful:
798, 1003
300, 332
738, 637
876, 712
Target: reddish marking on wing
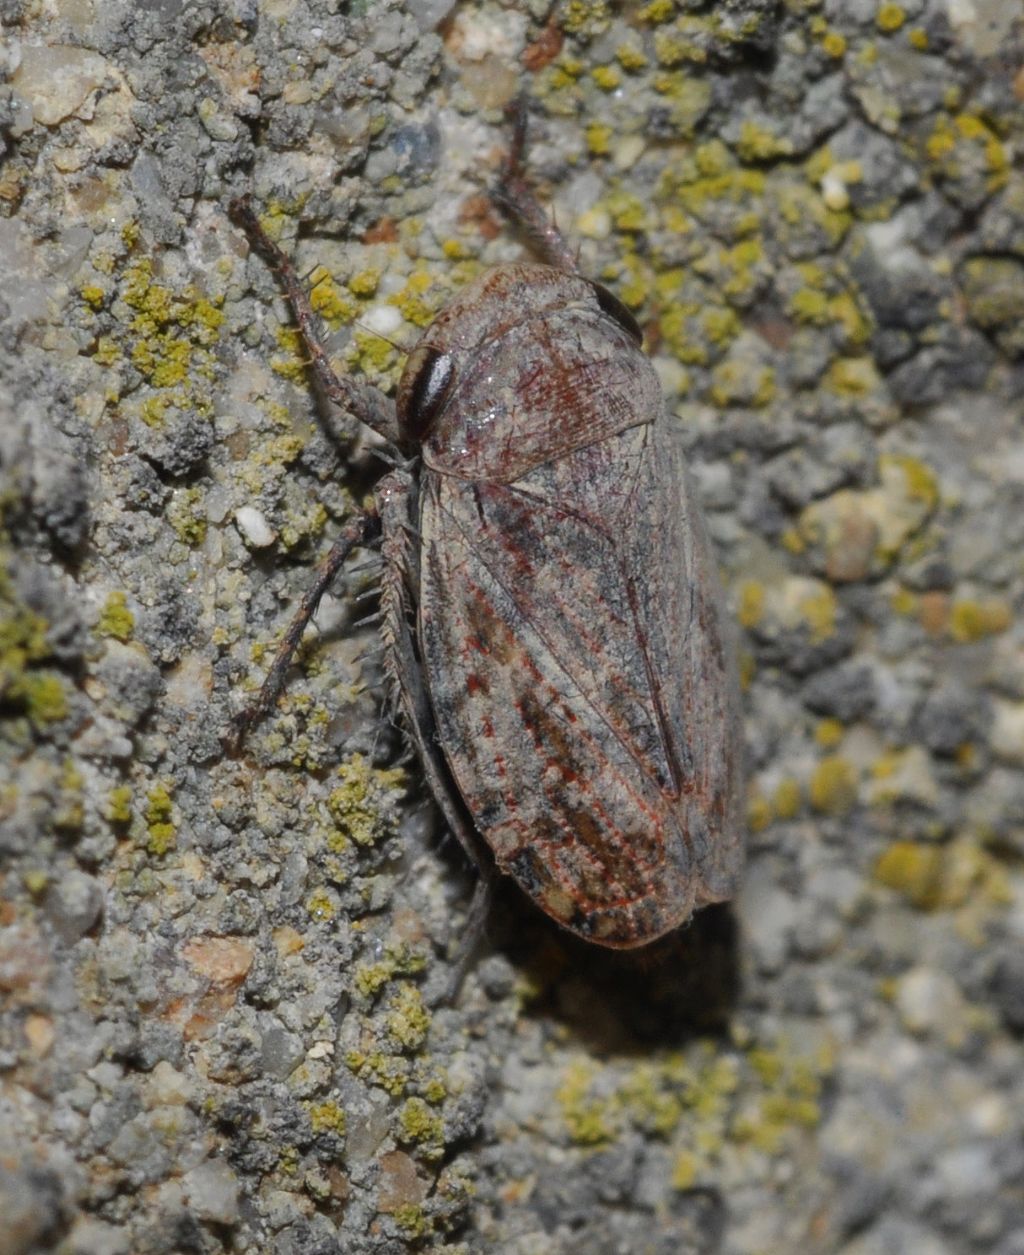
569, 776
616, 860
593, 833
475, 683
576, 810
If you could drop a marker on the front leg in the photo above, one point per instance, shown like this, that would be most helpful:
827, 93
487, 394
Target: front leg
365, 403
363, 529
404, 665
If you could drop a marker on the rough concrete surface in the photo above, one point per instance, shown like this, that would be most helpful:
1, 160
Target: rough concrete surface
222, 978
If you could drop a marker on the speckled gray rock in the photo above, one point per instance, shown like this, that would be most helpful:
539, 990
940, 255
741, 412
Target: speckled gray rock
222, 1015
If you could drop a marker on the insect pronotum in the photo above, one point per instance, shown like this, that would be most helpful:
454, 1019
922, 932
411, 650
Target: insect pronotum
551, 612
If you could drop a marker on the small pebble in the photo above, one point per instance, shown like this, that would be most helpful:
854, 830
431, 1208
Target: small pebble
254, 527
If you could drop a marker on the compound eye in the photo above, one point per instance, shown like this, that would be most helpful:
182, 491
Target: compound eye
425, 386
614, 308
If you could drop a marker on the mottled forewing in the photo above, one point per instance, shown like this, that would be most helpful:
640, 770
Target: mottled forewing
563, 644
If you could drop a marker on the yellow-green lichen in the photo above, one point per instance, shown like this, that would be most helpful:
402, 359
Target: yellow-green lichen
327, 300
834, 45
627, 211
158, 814
321, 906
589, 1120
408, 1020
291, 362
631, 56
36, 881
168, 327
390, 1072
40, 692
787, 799
833, 786
434, 1090
678, 324
751, 603
607, 77
93, 295
370, 978
412, 1220
971, 620
656, 12
759, 813
454, 250
119, 805
961, 875
685, 1169
655, 1096
584, 17
116, 619
688, 100
186, 517
361, 804
740, 382
853, 377
890, 17
168, 335
327, 1117
919, 482
599, 139
302, 525
914, 871
957, 142
809, 306
106, 352
419, 1125
69, 812
710, 174
677, 46
736, 271
44, 695
721, 325
755, 144
829, 733
420, 299
819, 610
789, 1101
370, 354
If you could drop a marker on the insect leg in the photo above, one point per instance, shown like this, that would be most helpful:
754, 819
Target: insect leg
399, 597
419, 720
363, 528
366, 404
516, 198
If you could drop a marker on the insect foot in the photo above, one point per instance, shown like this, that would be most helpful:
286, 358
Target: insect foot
551, 614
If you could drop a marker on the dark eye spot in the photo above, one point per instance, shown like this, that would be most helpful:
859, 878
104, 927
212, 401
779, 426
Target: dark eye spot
614, 308
423, 392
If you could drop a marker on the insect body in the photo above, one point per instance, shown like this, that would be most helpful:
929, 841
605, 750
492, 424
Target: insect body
554, 629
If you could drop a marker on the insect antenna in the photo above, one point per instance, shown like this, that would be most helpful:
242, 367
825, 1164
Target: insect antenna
372, 331
514, 196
